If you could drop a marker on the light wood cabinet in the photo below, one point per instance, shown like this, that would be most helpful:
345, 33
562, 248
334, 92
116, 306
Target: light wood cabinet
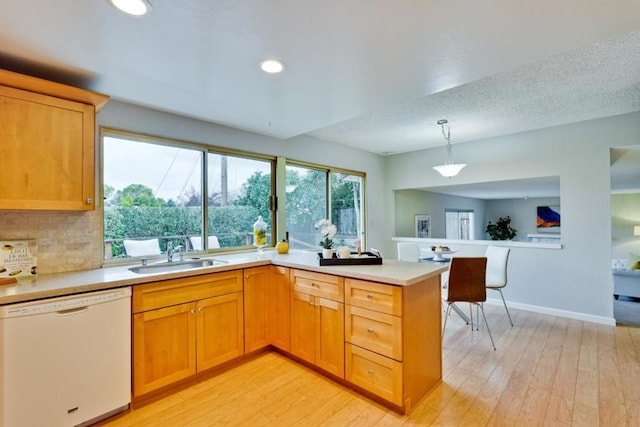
303, 327
378, 374
219, 327
184, 326
266, 308
393, 339
47, 144
317, 320
378, 337
164, 347
378, 332
256, 282
278, 302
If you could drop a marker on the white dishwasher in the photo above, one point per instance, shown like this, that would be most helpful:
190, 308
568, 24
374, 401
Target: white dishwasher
65, 361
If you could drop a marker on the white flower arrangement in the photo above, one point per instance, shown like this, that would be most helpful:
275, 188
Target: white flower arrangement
328, 231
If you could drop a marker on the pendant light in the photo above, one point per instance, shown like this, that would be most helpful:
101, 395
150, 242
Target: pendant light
449, 168
132, 7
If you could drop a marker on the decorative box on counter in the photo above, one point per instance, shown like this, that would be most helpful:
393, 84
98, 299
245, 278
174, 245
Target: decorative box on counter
18, 258
365, 258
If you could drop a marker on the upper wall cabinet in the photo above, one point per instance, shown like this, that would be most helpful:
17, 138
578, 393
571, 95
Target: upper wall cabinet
47, 144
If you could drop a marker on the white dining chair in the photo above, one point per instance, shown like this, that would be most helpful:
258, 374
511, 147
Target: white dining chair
408, 251
496, 280
196, 242
141, 247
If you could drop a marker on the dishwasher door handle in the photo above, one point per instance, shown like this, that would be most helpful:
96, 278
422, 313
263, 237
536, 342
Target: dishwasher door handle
69, 312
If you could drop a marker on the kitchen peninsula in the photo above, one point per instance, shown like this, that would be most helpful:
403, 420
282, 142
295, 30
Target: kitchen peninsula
374, 328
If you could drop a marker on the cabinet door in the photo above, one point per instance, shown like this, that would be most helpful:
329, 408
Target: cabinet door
220, 330
277, 298
256, 281
164, 347
375, 331
46, 152
303, 326
380, 375
329, 320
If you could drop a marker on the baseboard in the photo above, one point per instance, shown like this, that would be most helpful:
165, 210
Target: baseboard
610, 321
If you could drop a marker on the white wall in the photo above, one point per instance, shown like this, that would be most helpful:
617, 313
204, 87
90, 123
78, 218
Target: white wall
576, 278
137, 119
409, 203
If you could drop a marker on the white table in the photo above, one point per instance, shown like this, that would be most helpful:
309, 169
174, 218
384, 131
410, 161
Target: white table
438, 256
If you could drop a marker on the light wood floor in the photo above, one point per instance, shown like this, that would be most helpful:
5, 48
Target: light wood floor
547, 371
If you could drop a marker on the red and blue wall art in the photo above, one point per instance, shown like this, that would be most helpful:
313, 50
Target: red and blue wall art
548, 218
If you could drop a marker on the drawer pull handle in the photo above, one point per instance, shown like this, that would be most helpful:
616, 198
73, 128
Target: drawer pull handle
370, 372
370, 330
192, 311
200, 309
369, 296
314, 285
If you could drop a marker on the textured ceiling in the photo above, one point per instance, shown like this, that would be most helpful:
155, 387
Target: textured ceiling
598, 81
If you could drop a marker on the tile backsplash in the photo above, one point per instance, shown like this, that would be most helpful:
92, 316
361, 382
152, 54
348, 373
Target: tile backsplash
67, 241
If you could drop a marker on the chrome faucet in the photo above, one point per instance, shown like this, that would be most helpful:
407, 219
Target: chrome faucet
179, 250
169, 251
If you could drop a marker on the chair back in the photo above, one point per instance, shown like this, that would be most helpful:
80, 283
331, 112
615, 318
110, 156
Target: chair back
467, 279
497, 258
408, 251
196, 242
141, 247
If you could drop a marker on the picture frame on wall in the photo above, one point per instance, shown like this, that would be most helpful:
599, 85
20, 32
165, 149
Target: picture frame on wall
423, 226
548, 219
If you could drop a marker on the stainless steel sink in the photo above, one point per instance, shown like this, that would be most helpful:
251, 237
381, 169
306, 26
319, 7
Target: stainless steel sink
166, 267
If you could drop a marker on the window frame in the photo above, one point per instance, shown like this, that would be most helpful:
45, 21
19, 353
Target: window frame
277, 190
328, 170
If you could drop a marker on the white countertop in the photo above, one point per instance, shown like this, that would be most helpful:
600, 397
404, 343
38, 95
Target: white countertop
59, 284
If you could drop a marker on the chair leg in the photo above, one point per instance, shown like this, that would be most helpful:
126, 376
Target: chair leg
444, 324
460, 313
487, 324
471, 316
505, 306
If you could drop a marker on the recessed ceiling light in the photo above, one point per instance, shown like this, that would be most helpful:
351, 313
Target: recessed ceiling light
272, 66
132, 7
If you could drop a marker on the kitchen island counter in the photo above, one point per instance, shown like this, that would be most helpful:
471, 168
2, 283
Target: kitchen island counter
59, 284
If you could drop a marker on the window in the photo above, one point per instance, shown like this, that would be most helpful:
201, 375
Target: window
346, 207
153, 196
306, 190
160, 192
308, 193
239, 191
459, 224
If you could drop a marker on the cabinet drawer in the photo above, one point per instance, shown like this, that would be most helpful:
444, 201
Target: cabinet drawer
178, 291
374, 296
378, 332
318, 284
377, 374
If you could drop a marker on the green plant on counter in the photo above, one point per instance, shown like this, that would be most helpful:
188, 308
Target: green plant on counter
501, 230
